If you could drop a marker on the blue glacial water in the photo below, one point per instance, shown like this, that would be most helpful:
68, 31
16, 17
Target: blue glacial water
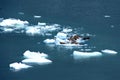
100, 18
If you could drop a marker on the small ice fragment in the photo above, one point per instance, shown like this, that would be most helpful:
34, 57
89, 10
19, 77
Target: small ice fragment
49, 41
18, 66
35, 16
107, 16
21, 13
109, 51
67, 30
8, 29
41, 24
112, 26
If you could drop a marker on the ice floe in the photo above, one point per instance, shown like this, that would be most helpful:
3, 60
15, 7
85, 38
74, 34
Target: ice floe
50, 41
64, 39
34, 55
41, 29
108, 51
19, 26
8, 29
41, 24
18, 66
32, 30
41, 61
11, 22
84, 55
30, 58
67, 30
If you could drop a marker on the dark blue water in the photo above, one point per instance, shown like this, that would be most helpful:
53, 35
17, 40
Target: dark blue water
88, 14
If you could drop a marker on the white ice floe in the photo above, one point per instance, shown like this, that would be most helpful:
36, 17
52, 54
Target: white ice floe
50, 28
84, 55
49, 41
8, 29
13, 22
107, 51
19, 26
32, 30
41, 61
41, 24
34, 55
35, 16
41, 29
61, 35
62, 39
18, 66
67, 30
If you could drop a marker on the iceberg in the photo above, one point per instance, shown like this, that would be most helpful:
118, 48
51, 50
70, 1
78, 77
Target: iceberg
18, 66
107, 51
40, 61
34, 55
84, 55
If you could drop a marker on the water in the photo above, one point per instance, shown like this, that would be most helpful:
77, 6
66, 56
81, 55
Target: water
85, 14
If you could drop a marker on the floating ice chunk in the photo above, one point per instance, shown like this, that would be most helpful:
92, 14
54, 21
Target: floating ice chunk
50, 28
13, 22
107, 16
32, 30
35, 16
67, 30
60, 40
61, 35
83, 55
40, 61
21, 13
41, 24
18, 66
70, 45
40, 29
109, 51
19, 26
49, 41
8, 29
34, 55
